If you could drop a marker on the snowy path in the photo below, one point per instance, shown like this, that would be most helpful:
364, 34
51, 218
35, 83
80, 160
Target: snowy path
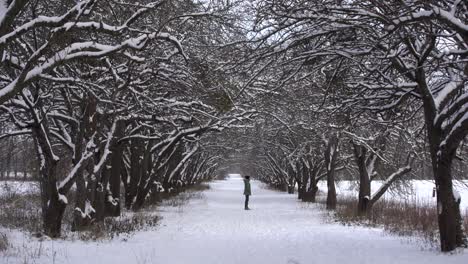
216, 230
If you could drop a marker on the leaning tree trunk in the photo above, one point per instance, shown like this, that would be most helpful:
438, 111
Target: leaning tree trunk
388, 182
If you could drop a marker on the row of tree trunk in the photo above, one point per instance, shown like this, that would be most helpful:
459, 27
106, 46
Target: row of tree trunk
448, 204
99, 170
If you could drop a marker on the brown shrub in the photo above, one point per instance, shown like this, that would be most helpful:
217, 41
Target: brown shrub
405, 218
131, 222
117, 226
22, 211
177, 197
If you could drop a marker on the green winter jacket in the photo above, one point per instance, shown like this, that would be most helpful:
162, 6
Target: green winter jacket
247, 187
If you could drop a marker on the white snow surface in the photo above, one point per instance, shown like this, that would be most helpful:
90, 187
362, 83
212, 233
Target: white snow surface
215, 229
418, 191
18, 187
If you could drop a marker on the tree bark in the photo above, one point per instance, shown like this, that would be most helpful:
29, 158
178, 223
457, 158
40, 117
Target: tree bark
392, 178
451, 231
80, 220
364, 180
144, 186
330, 162
302, 184
442, 152
52, 207
116, 163
53, 215
313, 188
291, 186
135, 172
99, 202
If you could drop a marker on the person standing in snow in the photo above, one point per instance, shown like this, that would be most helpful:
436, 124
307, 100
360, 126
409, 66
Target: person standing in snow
247, 191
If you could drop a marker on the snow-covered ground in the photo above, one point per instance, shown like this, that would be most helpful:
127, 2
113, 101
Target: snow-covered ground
19, 187
216, 229
417, 191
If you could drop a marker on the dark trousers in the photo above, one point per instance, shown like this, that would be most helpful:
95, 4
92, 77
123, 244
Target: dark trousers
246, 202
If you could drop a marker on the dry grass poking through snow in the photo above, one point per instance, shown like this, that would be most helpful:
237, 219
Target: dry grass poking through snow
20, 210
112, 227
412, 218
130, 222
4, 244
182, 198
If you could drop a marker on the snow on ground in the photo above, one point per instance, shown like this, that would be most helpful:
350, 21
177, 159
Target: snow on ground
216, 229
18, 187
419, 191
